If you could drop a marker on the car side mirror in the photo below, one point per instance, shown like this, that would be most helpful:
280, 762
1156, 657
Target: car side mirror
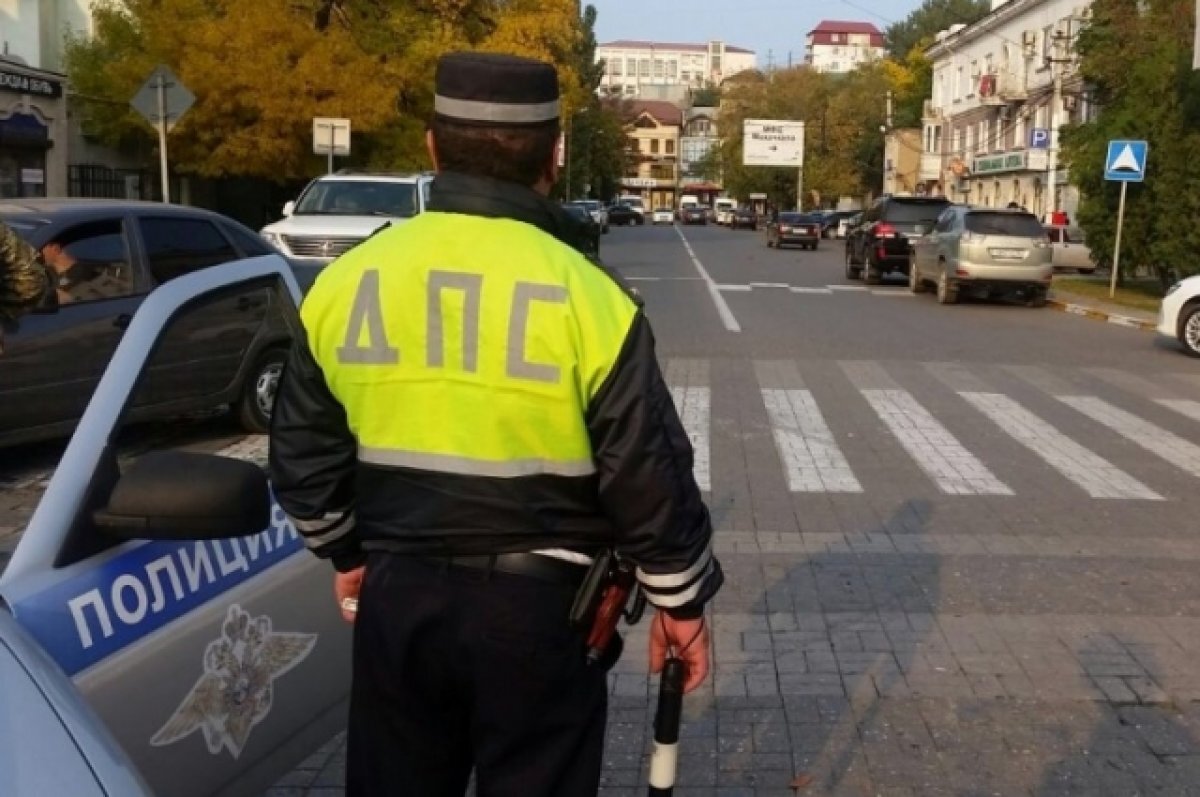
289, 208
184, 495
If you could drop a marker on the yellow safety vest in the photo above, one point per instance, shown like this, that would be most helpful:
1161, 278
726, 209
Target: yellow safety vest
467, 345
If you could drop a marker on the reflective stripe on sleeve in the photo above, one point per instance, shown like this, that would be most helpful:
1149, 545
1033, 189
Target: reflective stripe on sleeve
674, 580
328, 528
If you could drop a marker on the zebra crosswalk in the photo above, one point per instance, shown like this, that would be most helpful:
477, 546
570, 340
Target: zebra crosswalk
950, 422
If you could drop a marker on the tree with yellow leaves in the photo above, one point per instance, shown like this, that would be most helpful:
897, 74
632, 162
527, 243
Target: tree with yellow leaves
262, 69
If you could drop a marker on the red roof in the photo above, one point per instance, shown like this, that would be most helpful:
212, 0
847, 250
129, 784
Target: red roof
630, 44
665, 113
840, 26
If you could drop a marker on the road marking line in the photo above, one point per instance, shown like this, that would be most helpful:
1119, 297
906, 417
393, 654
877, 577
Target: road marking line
769, 285
741, 288
1097, 476
693, 404
954, 469
1171, 447
1186, 407
899, 293
810, 454
822, 291
727, 317
664, 279
860, 288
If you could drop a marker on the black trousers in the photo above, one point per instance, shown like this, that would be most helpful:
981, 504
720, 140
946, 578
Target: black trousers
456, 669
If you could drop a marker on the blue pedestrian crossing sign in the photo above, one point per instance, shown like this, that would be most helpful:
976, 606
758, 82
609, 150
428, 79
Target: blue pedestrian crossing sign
1126, 161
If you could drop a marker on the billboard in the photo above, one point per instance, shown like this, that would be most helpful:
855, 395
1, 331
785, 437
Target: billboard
772, 142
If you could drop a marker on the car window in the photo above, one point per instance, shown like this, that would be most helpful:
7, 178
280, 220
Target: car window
251, 244
177, 246
91, 260
945, 221
359, 198
914, 212
1022, 225
791, 218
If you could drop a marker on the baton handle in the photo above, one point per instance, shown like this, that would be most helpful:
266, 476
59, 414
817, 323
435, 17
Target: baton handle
664, 762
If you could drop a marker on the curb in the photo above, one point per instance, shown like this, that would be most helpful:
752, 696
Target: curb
1101, 315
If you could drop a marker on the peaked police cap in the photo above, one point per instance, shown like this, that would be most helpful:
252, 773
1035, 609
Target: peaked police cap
495, 90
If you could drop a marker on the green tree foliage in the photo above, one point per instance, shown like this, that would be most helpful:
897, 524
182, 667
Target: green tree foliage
596, 134
261, 69
1136, 57
929, 18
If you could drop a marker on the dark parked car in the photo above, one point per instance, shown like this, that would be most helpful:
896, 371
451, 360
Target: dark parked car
693, 214
589, 230
112, 254
830, 220
880, 243
787, 229
744, 218
622, 214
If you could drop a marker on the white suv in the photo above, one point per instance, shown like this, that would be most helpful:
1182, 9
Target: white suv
338, 211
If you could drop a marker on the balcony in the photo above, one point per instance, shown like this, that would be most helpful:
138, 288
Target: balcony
930, 168
930, 112
1011, 88
989, 90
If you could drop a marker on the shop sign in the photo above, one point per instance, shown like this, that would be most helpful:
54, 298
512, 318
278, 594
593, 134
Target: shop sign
25, 84
33, 176
1025, 160
641, 182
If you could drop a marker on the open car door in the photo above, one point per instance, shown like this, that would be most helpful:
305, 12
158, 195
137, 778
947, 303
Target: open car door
171, 588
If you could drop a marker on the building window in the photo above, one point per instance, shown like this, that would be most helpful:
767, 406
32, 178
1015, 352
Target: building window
614, 68
644, 67
631, 90
660, 69
937, 140
716, 64
672, 69
958, 141
687, 77
960, 87
654, 146
670, 146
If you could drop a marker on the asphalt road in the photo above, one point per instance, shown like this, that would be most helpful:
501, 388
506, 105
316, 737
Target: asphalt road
961, 542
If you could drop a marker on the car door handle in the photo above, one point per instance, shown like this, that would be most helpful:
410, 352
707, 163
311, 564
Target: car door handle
122, 321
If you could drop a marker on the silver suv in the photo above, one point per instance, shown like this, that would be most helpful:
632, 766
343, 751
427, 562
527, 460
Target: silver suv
338, 211
983, 252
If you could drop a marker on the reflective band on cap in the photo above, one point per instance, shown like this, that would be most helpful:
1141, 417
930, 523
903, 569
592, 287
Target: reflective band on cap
466, 466
503, 112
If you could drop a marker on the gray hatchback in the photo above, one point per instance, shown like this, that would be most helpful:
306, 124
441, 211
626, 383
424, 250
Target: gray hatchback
983, 252
107, 256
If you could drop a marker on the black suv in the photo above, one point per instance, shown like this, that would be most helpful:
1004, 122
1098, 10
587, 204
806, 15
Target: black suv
116, 252
879, 244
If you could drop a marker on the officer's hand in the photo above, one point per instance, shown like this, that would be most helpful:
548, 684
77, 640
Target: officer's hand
347, 585
687, 639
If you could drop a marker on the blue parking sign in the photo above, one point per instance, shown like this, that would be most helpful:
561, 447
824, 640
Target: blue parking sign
1039, 138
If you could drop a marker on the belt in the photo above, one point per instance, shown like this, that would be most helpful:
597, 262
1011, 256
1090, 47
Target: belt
532, 565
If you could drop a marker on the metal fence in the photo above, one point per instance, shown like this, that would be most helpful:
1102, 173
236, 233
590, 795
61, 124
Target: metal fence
86, 180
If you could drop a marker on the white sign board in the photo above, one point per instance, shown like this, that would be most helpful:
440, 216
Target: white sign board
331, 136
771, 142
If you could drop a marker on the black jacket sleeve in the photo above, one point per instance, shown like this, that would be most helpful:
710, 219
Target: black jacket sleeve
312, 461
644, 463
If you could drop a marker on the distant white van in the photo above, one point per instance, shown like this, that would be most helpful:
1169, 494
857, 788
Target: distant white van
635, 202
724, 207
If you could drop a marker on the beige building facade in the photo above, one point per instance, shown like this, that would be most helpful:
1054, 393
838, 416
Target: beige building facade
653, 147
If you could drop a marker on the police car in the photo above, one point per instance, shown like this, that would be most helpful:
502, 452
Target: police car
161, 610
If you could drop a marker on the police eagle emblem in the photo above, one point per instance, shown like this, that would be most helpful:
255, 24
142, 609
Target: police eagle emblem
235, 691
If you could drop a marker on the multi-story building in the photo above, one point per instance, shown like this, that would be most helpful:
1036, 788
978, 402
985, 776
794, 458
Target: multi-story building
632, 66
653, 135
990, 130
34, 131
840, 46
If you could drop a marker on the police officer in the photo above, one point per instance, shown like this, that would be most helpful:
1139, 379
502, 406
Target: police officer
476, 409
24, 281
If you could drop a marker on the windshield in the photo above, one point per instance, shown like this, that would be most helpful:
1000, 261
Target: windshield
359, 198
914, 212
1020, 225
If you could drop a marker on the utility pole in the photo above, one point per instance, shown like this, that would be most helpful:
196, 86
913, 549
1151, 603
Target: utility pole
1056, 59
887, 126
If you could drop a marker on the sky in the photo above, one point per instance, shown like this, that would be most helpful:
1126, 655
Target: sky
774, 26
